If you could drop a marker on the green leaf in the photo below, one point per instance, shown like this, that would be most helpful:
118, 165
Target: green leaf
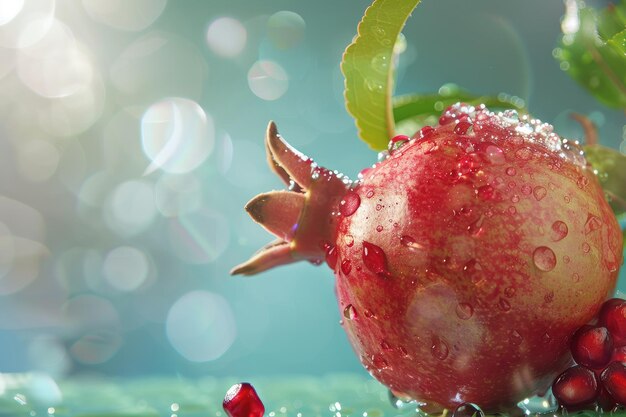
413, 111
368, 70
593, 51
611, 168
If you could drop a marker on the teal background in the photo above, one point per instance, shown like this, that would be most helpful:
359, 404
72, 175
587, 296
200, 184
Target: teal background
66, 306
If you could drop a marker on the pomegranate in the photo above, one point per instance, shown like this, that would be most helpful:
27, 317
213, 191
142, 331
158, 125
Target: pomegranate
465, 259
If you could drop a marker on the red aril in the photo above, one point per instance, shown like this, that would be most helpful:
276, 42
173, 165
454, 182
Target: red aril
613, 317
614, 381
592, 346
576, 387
241, 400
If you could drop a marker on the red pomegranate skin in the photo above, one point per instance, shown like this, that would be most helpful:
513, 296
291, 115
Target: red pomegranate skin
464, 261
480, 306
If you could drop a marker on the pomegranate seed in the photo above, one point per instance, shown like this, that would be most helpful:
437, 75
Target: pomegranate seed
592, 346
619, 354
613, 316
577, 386
605, 401
614, 381
468, 410
241, 400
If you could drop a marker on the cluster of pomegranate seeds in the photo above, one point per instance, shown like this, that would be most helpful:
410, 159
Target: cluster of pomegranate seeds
241, 400
600, 353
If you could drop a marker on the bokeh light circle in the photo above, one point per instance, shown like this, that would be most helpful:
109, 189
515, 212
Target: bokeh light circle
285, 29
55, 66
129, 15
178, 194
200, 325
268, 80
126, 268
9, 9
37, 160
131, 207
199, 237
226, 37
177, 135
25, 22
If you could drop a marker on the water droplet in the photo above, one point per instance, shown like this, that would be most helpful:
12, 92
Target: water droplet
368, 313
586, 247
374, 259
575, 277
527, 189
516, 338
544, 258
476, 227
509, 291
380, 362
496, 157
524, 154
374, 85
515, 198
540, 192
464, 311
384, 345
546, 338
403, 351
510, 171
512, 210
331, 256
485, 192
593, 223
396, 143
379, 228
348, 240
504, 304
350, 312
346, 266
424, 132
582, 181
558, 231
349, 204
369, 194
439, 348
410, 243
468, 410
379, 207
462, 126
380, 63
566, 259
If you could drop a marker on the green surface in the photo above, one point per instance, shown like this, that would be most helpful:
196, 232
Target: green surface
331, 396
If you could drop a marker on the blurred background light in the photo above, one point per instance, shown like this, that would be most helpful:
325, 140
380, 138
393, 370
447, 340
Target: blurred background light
268, 80
226, 37
24, 23
131, 15
177, 135
200, 326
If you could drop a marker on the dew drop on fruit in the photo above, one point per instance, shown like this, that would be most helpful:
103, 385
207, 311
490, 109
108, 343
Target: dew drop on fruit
439, 348
504, 304
524, 154
380, 362
515, 337
468, 410
539, 192
462, 126
527, 189
379, 228
408, 242
346, 266
558, 231
369, 194
424, 132
374, 259
485, 192
464, 311
331, 256
349, 204
586, 247
496, 156
350, 312
368, 313
384, 345
544, 258
510, 171
509, 291
593, 223
348, 240
403, 351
